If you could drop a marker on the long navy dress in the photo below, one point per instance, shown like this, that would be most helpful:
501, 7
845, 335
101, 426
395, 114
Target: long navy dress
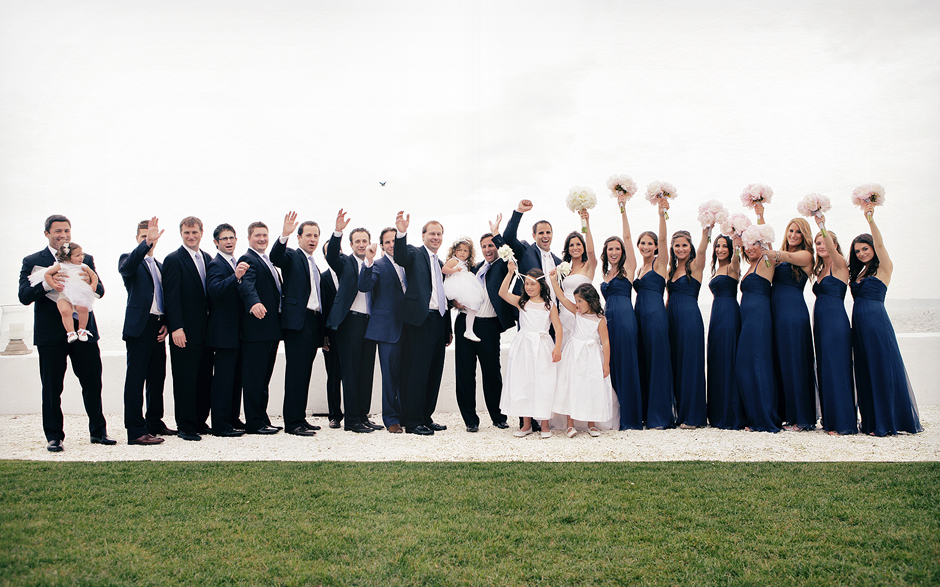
653, 351
754, 365
793, 336
724, 327
885, 398
833, 338
687, 342
624, 361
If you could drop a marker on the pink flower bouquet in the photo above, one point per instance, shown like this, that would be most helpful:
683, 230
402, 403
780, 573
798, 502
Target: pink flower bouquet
872, 193
660, 190
815, 205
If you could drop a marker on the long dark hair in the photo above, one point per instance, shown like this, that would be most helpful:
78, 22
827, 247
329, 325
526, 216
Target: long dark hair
605, 262
586, 292
728, 243
674, 261
543, 289
856, 266
652, 235
566, 256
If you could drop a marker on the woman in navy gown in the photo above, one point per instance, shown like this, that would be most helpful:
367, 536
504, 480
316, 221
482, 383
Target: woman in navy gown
793, 335
833, 336
687, 330
885, 398
653, 329
754, 362
724, 403
619, 264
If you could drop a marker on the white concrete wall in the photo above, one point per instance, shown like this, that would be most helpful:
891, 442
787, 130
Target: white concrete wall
20, 389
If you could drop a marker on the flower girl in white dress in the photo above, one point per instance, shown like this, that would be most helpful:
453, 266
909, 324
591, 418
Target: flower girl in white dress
73, 294
461, 285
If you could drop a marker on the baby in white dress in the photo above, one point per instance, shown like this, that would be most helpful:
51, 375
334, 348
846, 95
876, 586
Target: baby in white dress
461, 284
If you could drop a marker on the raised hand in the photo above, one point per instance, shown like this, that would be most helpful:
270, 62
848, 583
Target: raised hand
341, 221
759, 209
153, 231
402, 221
240, 270
290, 223
494, 226
370, 251
524, 206
820, 219
583, 213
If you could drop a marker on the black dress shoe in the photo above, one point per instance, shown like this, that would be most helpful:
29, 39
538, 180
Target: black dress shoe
103, 440
54, 446
145, 440
230, 433
310, 426
420, 430
437, 427
373, 425
238, 425
165, 431
275, 427
501, 425
265, 430
203, 429
473, 428
189, 435
359, 427
302, 431
334, 424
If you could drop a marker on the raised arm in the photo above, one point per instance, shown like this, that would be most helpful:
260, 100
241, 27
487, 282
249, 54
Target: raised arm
661, 264
559, 293
885, 266
401, 254
511, 235
589, 245
504, 292
698, 265
840, 268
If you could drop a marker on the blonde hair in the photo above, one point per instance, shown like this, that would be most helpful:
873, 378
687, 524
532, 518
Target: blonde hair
807, 245
820, 264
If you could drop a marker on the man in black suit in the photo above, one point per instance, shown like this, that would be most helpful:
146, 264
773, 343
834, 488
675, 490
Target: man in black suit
493, 318
426, 327
222, 278
260, 291
187, 316
301, 318
329, 282
50, 340
349, 316
537, 255
145, 338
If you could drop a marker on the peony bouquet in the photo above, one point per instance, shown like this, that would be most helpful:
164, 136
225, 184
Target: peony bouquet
872, 193
815, 205
658, 191
754, 193
562, 271
622, 188
759, 234
711, 213
734, 226
581, 198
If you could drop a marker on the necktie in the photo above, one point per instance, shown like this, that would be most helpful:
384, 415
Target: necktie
402, 277
481, 274
232, 261
157, 283
201, 268
439, 285
314, 280
277, 278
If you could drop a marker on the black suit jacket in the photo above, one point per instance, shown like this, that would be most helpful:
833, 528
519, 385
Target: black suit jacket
226, 314
505, 312
417, 264
296, 273
185, 302
258, 287
47, 323
528, 255
347, 269
140, 289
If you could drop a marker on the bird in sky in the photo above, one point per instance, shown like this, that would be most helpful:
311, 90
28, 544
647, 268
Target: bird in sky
381, 183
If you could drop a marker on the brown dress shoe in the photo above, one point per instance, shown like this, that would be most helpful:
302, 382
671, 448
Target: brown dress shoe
395, 429
146, 439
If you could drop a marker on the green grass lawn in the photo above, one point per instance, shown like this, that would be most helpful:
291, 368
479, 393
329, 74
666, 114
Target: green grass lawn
276, 523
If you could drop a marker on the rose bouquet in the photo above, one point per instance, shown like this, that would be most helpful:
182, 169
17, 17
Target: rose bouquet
658, 191
868, 193
815, 205
759, 234
622, 188
756, 193
562, 271
581, 198
711, 213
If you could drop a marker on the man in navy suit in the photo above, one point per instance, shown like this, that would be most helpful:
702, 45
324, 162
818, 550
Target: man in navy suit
301, 318
145, 338
54, 352
222, 278
386, 281
426, 327
493, 318
260, 291
350, 318
537, 255
331, 361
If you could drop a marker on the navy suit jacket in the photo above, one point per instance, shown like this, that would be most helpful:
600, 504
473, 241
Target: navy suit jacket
528, 255
185, 302
258, 287
347, 269
140, 289
505, 312
47, 323
226, 313
414, 305
382, 280
296, 273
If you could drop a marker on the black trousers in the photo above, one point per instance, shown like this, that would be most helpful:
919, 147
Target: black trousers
144, 380
334, 377
357, 355
300, 349
192, 385
226, 401
466, 355
422, 366
257, 367
86, 364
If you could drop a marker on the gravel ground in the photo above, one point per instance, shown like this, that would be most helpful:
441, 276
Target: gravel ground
21, 438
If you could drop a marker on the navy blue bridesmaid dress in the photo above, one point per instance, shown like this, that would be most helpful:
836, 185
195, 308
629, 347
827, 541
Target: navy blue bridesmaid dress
687, 342
754, 364
624, 361
724, 327
793, 337
833, 338
653, 351
885, 398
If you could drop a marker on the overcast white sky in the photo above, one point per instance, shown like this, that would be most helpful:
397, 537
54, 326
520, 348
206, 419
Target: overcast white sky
234, 111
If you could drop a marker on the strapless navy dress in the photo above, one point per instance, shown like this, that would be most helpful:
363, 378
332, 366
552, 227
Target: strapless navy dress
687, 342
624, 361
724, 327
833, 338
793, 336
653, 351
754, 364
